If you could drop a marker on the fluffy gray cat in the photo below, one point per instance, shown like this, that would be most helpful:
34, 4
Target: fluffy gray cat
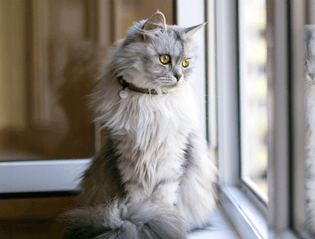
154, 176
310, 127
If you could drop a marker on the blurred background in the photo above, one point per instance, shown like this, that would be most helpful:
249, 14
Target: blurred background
50, 53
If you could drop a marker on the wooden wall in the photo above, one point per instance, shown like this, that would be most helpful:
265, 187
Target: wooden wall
43, 112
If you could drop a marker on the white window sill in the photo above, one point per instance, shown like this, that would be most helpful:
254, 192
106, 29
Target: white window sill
247, 219
219, 227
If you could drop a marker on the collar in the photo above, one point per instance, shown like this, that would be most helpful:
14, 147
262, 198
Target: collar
132, 87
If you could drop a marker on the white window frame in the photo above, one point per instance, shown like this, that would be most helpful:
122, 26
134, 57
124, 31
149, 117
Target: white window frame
41, 176
249, 216
241, 205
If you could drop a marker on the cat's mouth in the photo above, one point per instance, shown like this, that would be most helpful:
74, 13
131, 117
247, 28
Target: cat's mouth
165, 87
170, 86
166, 83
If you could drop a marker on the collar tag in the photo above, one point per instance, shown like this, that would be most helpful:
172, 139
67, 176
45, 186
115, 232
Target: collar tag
123, 94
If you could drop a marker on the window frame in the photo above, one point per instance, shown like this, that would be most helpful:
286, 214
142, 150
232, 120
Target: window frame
285, 115
239, 202
41, 176
286, 169
297, 107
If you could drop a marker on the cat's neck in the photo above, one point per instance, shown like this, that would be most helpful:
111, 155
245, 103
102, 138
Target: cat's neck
126, 85
139, 112
131, 81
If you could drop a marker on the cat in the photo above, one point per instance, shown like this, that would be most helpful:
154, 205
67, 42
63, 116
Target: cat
309, 100
154, 176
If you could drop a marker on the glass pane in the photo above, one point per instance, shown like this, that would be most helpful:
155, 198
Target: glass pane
253, 94
43, 85
47, 71
309, 97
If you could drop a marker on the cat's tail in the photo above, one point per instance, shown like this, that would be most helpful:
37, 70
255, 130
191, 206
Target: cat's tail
125, 220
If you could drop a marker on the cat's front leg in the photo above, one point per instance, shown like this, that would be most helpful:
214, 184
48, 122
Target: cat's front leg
166, 192
197, 190
163, 192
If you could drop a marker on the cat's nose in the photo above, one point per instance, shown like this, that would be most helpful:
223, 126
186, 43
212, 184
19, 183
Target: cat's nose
178, 77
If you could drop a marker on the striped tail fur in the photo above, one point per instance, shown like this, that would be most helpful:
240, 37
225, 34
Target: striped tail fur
125, 220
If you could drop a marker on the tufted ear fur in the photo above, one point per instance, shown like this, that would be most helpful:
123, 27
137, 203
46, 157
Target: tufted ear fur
155, 22
190, 31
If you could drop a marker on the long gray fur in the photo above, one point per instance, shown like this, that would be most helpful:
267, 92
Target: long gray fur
125, 220
154, 152
309, 100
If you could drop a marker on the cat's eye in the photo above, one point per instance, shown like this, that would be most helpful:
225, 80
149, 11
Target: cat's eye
165, 59
185, 63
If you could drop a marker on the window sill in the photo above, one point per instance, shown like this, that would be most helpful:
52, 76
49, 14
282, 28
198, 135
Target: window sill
220, 227
248, 221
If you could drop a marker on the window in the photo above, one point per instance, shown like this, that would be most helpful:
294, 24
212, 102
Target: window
289, 212
244, 208
44, 114
253, 95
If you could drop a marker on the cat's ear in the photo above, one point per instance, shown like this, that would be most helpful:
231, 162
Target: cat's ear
155, 22
190, 31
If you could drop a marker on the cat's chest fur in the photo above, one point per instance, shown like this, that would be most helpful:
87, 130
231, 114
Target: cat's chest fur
151, 136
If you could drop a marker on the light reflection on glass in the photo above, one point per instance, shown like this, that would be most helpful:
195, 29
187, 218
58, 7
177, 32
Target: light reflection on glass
253, 95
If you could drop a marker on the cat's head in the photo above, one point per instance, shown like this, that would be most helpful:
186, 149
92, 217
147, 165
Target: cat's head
154, 55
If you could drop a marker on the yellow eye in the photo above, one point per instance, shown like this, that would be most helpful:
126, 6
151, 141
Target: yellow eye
165, 59
185, 63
